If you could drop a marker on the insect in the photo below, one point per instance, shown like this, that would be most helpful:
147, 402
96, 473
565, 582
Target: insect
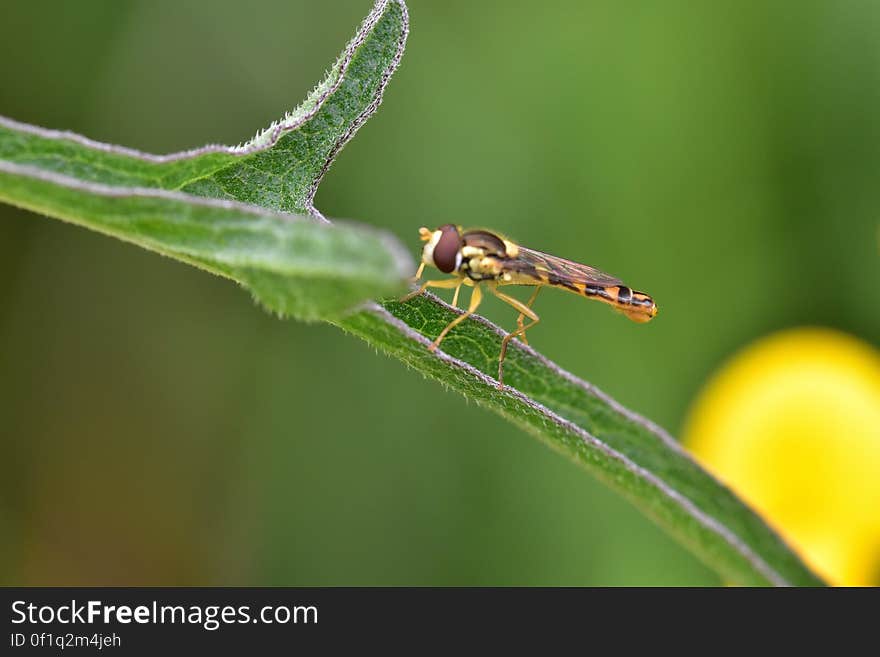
481, 259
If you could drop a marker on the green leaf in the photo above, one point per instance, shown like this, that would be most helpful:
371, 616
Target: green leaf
280, 170
217, 207
297, 266
627, 452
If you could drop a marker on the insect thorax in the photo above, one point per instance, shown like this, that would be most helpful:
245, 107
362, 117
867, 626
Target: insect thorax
482, 256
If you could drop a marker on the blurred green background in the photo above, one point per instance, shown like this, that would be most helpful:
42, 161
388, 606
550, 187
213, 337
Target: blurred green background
158, 428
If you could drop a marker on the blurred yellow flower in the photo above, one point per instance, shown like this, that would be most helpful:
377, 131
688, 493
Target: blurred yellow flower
792, 423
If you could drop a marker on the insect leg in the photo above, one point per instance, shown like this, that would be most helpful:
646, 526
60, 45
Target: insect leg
448, 283
519, 320
476, 298
524, 310
455, 296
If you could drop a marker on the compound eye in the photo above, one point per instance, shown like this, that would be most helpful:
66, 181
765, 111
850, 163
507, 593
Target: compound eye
447, 248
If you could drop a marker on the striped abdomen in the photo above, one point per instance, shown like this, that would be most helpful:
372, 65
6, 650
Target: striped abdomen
638, 306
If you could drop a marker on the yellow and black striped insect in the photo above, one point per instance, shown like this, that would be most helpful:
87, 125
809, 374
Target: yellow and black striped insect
479, 258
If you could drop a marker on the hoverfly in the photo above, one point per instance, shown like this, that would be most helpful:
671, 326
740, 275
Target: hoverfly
479, 258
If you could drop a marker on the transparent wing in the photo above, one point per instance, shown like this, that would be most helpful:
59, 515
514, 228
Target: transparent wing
560, 270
